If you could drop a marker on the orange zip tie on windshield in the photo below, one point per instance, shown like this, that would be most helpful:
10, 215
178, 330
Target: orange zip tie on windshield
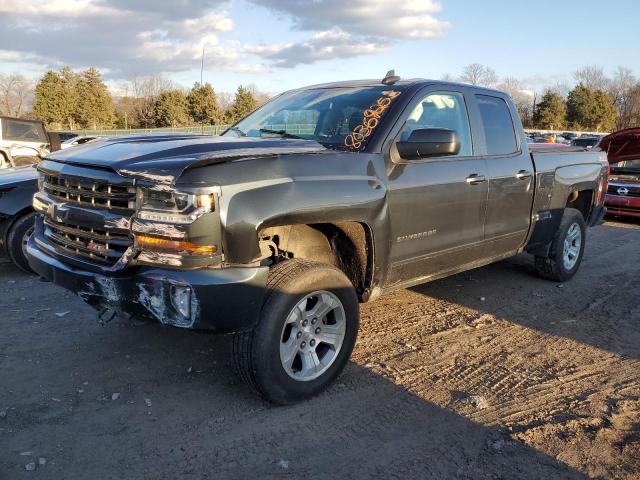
370, 121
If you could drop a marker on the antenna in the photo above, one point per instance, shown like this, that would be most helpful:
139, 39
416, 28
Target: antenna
390, 78
202, 94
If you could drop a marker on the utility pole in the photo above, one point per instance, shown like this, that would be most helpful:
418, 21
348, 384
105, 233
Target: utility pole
202, 94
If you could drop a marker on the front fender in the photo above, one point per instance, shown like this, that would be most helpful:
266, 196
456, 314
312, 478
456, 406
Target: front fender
293, 201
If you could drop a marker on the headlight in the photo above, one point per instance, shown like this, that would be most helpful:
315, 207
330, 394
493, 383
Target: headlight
172, 206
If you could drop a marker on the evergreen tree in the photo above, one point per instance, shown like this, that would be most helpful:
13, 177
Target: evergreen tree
95, 106
56, 99
243, 104
590, 110
203, 104
171, 109
581, 108
605, 112
551, 112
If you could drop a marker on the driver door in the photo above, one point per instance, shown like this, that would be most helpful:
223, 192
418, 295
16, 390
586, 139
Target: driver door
437, 206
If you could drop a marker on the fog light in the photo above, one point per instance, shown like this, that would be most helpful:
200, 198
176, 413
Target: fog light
181, 299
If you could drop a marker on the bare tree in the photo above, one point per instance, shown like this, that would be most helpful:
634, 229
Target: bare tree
592, 77
16, 94
523, 98
629, 108
138, 105
623, 91
477, 74
225, 99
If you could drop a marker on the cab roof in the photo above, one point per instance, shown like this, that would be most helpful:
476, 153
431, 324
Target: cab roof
413, 82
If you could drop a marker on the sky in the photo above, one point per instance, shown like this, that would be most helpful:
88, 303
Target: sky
282, 44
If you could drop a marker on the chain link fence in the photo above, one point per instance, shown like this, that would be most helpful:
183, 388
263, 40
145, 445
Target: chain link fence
296, 129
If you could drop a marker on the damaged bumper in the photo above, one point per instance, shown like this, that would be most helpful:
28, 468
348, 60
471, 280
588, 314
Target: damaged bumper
219, 300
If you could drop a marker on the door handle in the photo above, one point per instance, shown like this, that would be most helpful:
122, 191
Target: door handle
475, 179
522, 174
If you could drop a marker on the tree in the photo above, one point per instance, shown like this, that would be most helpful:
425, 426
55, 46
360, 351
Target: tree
592, 77
621, 90
590, 110
629, 115
16, 94
522, 98
551, 112
243, 103
95, 110
203, 104
170, 109
56, 99
477, 74
605, 112
142, 93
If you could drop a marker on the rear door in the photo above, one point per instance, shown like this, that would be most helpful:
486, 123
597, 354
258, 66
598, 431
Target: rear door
510, 173
436, 205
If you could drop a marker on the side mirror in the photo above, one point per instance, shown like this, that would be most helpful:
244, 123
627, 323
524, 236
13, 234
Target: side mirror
429, 142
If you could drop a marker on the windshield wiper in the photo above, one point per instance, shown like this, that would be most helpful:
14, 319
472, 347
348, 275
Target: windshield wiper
282, 133
239, 131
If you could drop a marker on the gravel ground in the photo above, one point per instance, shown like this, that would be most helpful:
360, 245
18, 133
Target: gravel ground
493, 373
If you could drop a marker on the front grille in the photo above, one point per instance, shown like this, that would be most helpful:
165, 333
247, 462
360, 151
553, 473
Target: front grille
633, 191
91, 214
99, 245
88, 192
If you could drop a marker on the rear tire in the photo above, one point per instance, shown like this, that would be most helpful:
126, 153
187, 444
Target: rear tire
17, 237
567, 249
305, 335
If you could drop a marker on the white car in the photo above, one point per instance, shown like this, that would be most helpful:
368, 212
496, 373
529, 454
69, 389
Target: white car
80, 140
22, 142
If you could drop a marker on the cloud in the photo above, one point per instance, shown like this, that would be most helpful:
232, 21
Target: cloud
323, 45
370, 18
123, 38
348, 29
146, 37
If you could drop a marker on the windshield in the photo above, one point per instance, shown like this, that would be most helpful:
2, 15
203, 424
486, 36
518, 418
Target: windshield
339, 118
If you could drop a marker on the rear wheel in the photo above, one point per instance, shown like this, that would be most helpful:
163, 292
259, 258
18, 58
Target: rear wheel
17, 240
305, 335
567, 249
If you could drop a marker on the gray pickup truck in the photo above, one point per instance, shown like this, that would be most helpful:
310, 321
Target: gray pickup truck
325, 197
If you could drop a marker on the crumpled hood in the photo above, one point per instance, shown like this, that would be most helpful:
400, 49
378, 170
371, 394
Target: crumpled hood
162, 158
622, 145
14, 176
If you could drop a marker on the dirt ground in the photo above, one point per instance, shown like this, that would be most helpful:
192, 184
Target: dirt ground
493, 373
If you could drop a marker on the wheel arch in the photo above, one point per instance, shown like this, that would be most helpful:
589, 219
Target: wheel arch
348, 245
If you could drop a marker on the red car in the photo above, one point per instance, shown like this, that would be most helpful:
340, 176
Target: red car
623, 151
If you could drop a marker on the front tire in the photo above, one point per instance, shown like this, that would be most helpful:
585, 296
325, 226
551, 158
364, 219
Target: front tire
567, 249
17, 239
305, 335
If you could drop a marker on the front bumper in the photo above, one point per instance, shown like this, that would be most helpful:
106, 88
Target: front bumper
623, 206
222, 300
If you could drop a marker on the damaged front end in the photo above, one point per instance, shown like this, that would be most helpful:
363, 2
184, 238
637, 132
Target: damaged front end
138, 246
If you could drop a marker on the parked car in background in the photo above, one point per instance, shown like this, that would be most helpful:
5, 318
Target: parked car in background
585, 142
17, 186
65, 136
276, 234
22, 142
75, 141
623, 194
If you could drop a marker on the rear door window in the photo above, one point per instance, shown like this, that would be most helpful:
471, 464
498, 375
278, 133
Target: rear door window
499, 131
